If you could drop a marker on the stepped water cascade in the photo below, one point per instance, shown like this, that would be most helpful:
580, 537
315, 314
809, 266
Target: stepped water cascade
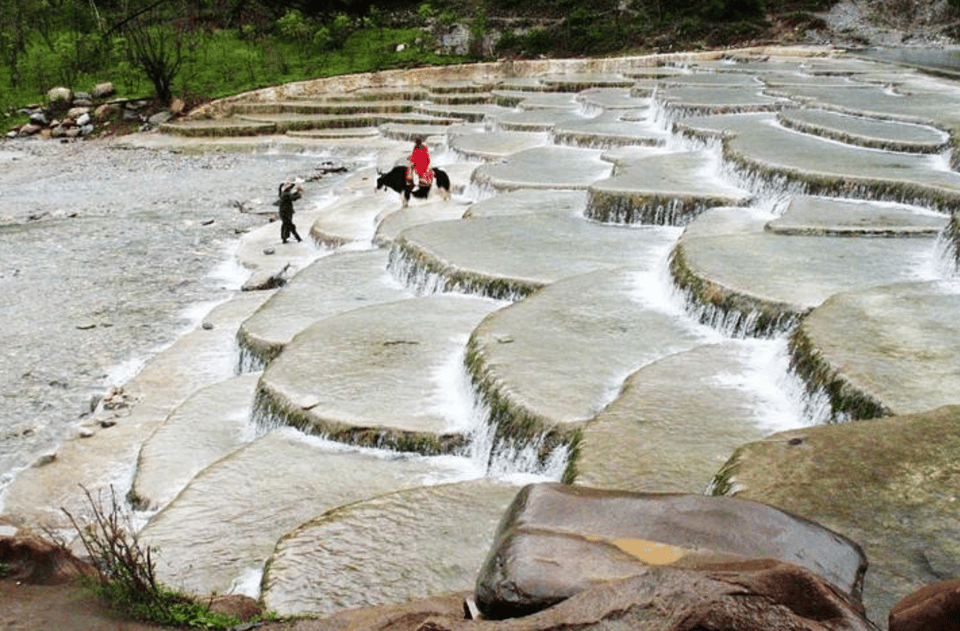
647, 266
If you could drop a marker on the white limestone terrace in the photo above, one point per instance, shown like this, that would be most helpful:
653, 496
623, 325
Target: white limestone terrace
523, 321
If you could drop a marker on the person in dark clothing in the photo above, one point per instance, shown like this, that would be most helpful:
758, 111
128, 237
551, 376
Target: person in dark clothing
288, 192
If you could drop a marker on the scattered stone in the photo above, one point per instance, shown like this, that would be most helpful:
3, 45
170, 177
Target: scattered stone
269, 251
160, 117
103, 90
77, 112
105, 111
29, 129
59, 95
45, 459
207, 326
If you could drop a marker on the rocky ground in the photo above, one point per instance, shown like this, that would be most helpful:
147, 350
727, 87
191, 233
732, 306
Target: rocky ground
105, 252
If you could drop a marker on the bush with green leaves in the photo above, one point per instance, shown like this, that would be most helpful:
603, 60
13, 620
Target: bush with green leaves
126, 571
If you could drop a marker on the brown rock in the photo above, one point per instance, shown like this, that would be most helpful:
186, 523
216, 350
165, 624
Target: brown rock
177, 106
407, 616
759, 596
106, 111
935, 606
557, 540
32, 559
29, 129
236, 605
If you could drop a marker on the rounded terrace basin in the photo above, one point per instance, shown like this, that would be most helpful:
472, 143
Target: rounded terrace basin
530, 100
510, 256
893, 349
416, 543
866, 132
570, 203
656, 436
609, 130
544, 167
559, 356
536, 119
825, 167
760, 282
367, 376
613, 99
231, 538
494, 145
717, 100
211, 424
330, 285
838, 217
663, 189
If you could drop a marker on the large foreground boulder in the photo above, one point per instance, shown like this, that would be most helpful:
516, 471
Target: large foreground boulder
758, 596
557, 540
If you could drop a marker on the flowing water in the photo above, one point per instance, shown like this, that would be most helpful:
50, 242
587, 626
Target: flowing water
110, 255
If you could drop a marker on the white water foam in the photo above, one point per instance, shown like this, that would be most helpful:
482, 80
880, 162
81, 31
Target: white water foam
781, 401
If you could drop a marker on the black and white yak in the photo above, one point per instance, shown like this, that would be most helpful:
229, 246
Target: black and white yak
396, 178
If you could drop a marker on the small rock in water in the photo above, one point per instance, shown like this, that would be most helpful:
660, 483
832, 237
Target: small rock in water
269, 251
207, 222
207, 326
45, 459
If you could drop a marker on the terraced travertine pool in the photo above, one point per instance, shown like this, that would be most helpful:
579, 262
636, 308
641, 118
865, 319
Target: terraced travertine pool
646, 264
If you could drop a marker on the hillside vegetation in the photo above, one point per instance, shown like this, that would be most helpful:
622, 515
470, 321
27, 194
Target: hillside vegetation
203, 49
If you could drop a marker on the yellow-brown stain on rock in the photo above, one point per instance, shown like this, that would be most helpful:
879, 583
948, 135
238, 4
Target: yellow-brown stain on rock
647, 551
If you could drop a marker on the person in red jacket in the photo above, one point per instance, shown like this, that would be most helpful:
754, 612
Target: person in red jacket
419, 165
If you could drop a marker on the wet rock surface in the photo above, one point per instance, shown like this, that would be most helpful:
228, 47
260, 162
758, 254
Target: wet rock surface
556, 541
103, 250
903, 464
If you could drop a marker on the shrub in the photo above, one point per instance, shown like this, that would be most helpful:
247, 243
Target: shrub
126, 571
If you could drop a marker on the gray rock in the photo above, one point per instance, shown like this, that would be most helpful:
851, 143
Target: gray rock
890, 484
60, 95
557, 540
160, 118
103, 90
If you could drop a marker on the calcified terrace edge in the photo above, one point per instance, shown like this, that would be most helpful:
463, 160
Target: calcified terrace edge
488, 72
